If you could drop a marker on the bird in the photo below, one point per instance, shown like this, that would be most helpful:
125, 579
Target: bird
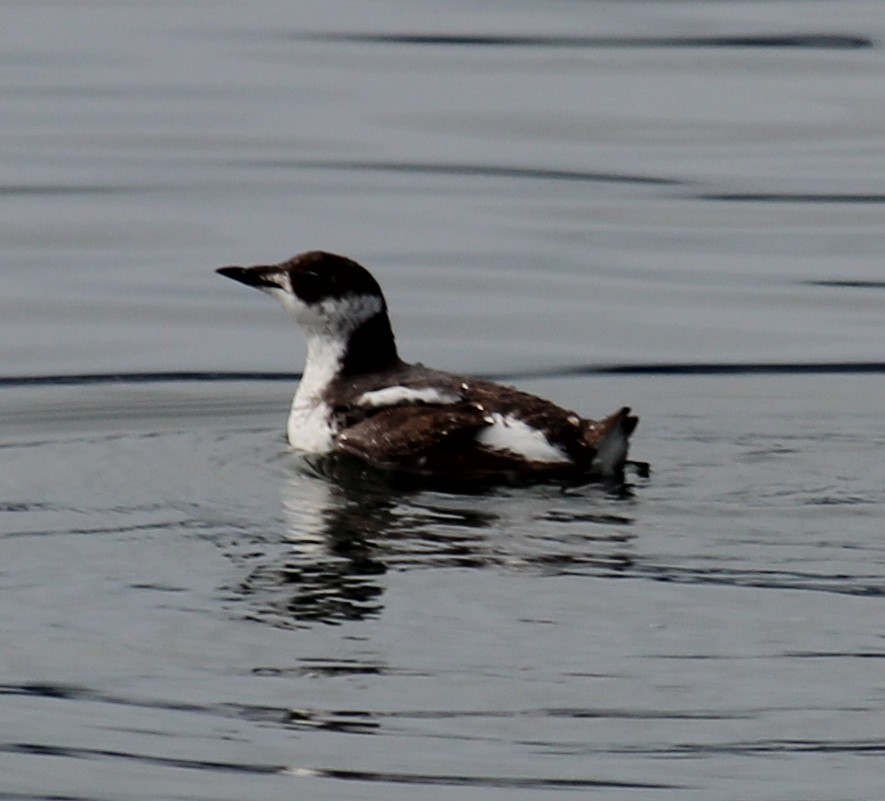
359, 399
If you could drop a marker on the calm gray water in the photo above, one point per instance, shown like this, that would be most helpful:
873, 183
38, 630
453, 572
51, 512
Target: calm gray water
672, 205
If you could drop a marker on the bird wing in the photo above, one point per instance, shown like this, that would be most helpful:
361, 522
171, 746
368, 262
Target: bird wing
413, 437
469, 429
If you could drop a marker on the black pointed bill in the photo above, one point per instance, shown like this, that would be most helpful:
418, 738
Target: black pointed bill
258, 277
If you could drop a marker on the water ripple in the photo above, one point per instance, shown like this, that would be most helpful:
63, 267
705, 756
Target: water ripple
840, 583
54, 190
806, 41
562, 371
41, 749
796, 197
850, 283
482, 170
500, 782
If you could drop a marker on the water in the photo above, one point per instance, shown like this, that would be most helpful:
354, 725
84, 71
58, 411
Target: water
672, 205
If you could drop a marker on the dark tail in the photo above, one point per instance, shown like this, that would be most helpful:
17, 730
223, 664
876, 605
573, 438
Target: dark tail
611, 438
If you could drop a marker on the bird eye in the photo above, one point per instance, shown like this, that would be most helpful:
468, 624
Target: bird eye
310, 285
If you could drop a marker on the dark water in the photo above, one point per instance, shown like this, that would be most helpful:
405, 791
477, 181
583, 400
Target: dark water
678, 206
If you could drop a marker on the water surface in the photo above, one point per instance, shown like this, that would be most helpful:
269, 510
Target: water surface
676, 206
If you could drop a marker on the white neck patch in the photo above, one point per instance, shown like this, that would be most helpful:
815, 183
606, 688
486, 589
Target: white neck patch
327, 326
335, 318
310, 425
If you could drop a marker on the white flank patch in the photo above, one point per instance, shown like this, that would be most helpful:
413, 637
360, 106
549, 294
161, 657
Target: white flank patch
507, 433
394, 396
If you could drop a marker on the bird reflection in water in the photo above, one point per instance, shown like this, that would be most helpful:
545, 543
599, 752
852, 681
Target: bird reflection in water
348, 525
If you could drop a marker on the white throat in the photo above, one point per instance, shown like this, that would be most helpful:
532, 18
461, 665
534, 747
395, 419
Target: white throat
310, 427
328, 326
325, 356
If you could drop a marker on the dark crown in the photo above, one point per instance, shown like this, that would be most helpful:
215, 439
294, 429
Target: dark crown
317, 275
